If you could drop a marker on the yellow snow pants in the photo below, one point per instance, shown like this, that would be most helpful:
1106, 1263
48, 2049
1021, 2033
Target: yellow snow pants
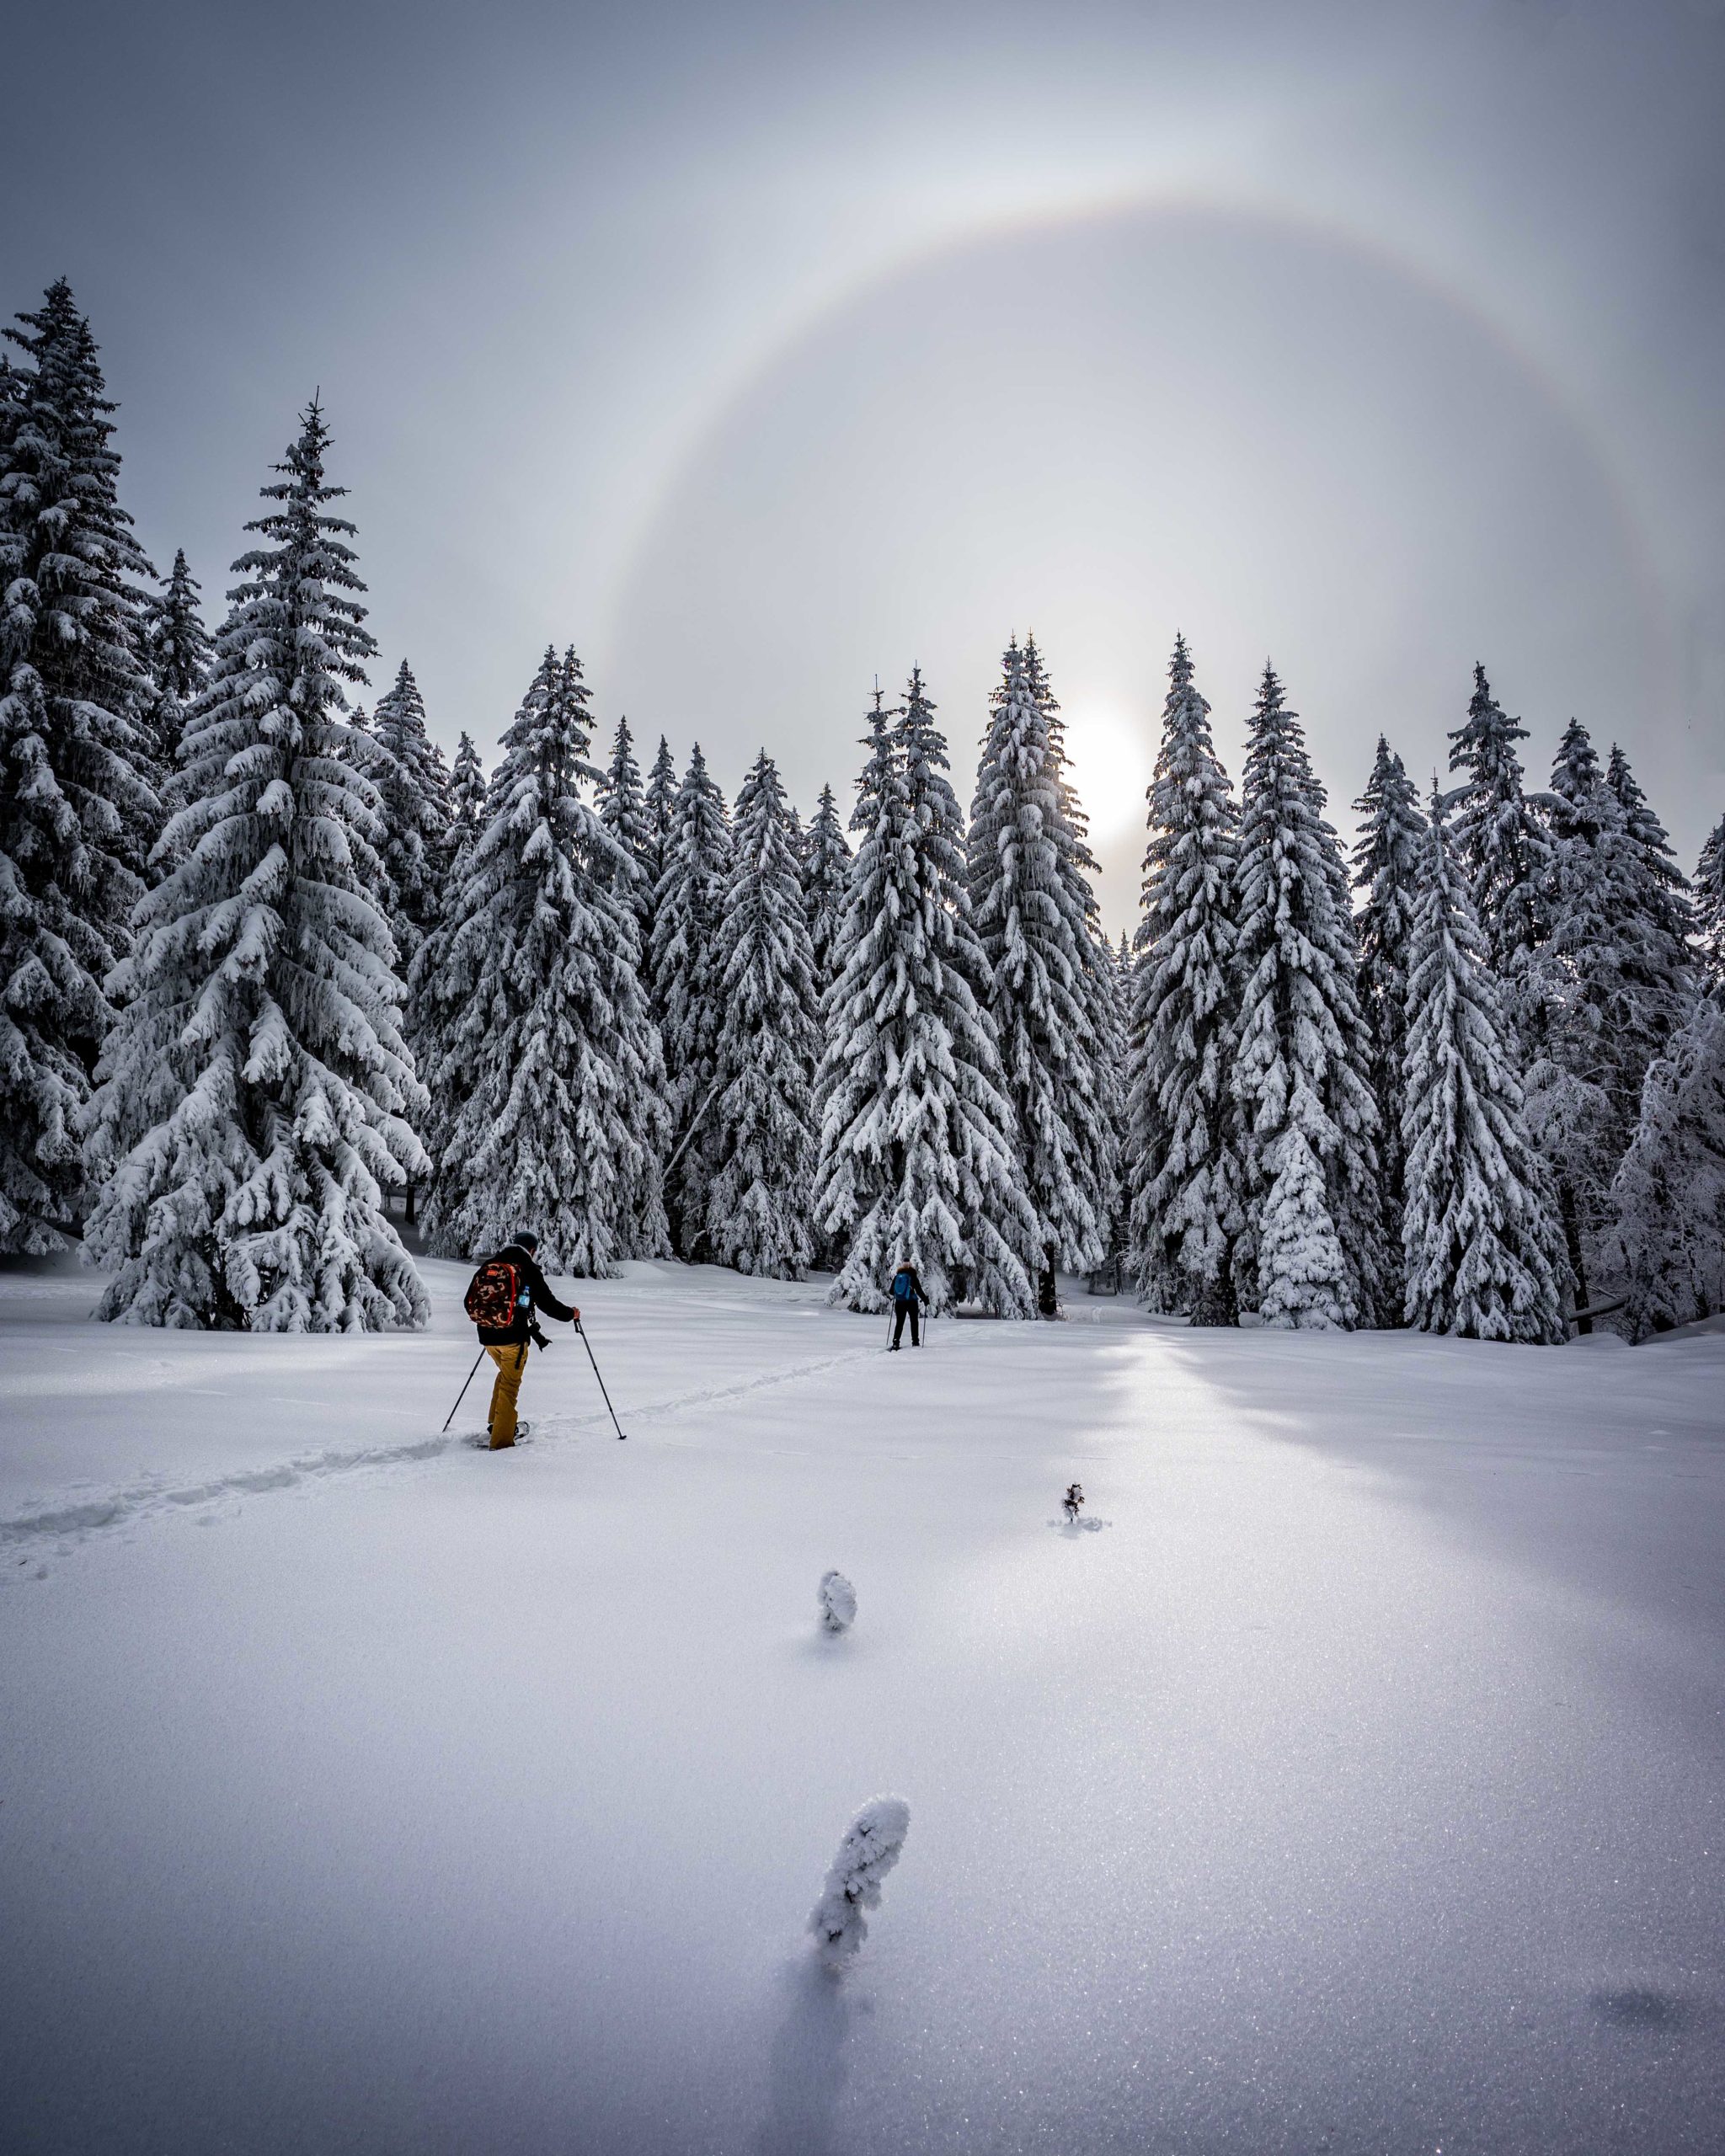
511, 1361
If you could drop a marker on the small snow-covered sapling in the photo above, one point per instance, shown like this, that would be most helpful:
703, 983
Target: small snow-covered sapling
1073, 1500
871, 1848
838, 1602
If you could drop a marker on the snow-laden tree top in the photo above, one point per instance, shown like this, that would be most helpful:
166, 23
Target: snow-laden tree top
258, 1098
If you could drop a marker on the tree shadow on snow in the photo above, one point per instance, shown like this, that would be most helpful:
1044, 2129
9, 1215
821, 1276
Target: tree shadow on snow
1573, 1464
808, 2066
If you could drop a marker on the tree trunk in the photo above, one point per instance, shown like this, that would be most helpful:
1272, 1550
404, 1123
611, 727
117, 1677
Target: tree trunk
1572, 1235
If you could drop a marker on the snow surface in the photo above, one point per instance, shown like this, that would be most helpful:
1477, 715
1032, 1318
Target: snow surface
1359, 1791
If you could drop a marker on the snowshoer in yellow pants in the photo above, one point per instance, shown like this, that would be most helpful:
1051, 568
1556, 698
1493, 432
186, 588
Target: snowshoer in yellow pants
505, 1298
511, 1361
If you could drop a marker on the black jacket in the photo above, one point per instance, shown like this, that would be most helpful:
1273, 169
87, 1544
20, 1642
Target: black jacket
539, 1298
908, 1273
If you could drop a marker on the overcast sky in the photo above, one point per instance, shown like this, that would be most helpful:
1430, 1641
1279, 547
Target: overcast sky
758, 348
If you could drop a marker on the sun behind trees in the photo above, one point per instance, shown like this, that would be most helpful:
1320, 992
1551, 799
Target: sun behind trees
275, 976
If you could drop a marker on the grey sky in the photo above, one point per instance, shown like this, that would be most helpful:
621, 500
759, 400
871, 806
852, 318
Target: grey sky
755, 348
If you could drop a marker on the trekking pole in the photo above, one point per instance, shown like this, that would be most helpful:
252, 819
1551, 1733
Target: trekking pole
462, 1394
594, 1360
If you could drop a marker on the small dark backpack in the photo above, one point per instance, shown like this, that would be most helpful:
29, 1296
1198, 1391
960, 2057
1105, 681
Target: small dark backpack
492, 1293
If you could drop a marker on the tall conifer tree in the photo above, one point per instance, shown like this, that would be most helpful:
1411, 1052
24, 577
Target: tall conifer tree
688, 977
412, 790
1121, 972
1184, 1167
1036, 932
849, 1177
660, 804
1710, 906
1301, 1068
1576, 780
79, 811
258, 1099
1669, 1195
918, 1158
1387, 870
437, 993
1613, 982
467, 794
1097, 986
564, 1125
826, 875
622, 810
758, 1216
1481, 1249
1499, 842
177, 650
1669, 911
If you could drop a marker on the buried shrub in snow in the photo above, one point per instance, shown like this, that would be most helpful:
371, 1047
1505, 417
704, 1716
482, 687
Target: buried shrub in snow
871, 1848
838, 1602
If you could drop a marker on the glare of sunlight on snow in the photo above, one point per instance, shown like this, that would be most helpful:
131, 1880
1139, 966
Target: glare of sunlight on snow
1110, 759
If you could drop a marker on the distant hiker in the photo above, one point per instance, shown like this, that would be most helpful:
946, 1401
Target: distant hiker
1073, 1499
908, 1301
503, 1299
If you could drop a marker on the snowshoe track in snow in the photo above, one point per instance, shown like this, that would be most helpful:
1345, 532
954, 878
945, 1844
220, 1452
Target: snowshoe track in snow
56, 1528
79, 1519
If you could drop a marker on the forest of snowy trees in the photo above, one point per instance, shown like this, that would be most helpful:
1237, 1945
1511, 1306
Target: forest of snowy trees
277, 980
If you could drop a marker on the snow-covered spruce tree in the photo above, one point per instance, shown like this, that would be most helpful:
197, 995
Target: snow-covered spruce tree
1500, 843
1184, 1167
256, 1096
1124, 967
79, 811
1668, 907
873, 1843
412, 790
622, 810
1710, 906
1098, 983
1670, 1194
438, 990
659, 805
1035, 934
918, 1153
1576, 780
763, 1137
177, 651
826, 875
1481, 1249
1577, 977
469, 791
1386, 869
840, 1201
1301, 1068
688, 975
564, 1125
1614, 978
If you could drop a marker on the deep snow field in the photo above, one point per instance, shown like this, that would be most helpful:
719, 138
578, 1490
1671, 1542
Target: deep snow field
1357, 1788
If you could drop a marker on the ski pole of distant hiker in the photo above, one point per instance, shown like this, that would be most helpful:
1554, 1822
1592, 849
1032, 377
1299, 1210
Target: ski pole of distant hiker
594, 1360
462, 1394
